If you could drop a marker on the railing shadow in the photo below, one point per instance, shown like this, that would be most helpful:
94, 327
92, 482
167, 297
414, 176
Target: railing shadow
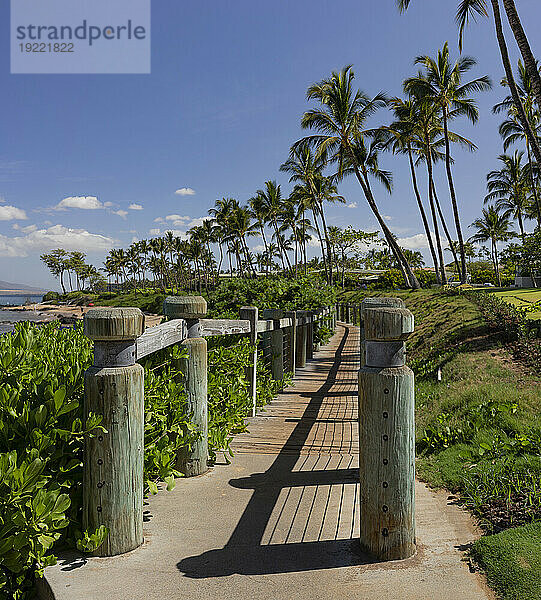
244, 553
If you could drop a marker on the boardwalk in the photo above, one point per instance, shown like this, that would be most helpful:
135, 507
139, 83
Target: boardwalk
281, 521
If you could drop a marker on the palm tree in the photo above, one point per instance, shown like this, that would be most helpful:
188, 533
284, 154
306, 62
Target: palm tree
495, 227
512, 130
339, 122
470, 8
441, 83
510, 187
403, 133
271, 198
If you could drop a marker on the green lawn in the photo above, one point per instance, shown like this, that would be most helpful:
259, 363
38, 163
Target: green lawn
522, 298
479, 432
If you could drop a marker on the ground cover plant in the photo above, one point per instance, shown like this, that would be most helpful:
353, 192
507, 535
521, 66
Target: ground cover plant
479, 429
42, 436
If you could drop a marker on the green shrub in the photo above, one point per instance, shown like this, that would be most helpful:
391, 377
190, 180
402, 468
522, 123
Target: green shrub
51, 297
42, 435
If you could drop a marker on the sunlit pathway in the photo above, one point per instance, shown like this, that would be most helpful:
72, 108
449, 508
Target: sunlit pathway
281, 521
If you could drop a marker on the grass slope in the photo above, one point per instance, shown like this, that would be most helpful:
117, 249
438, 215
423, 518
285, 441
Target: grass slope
479, 432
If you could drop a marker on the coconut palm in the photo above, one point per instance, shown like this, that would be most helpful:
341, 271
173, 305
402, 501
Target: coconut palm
339, 125
271, 197
510, 188
472, 8
492, 227
442, 84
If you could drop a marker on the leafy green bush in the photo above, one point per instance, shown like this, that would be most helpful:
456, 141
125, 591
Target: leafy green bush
305, 293
393, 280
51, 297
42, 435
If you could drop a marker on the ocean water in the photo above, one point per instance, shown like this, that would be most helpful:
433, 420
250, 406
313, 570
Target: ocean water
8, 300
9, 317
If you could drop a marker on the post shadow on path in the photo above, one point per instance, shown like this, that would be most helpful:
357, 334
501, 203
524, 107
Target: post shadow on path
244, 553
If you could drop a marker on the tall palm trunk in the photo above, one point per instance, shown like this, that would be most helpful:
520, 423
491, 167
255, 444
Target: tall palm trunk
511, 82
407, 273
327, 240
463, 269
524, 46
496, 263
534, 186
423, 214
446, 229
328, 277
283, 250
443, 276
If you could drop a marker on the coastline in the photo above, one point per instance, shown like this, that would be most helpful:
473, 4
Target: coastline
45, 313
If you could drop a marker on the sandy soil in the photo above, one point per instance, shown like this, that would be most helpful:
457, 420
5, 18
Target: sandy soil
52, 311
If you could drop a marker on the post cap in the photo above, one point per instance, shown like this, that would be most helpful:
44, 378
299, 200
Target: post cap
113, 324
387, 323
185, 307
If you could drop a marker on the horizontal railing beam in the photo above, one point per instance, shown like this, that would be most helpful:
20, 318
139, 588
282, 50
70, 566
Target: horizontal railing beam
159, 337
210, 327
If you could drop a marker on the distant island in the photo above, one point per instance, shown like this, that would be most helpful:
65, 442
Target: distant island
18, 289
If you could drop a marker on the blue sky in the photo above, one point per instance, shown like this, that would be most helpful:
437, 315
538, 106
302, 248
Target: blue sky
217, 115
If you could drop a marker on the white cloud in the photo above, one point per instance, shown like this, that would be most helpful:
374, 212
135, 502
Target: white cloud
180, 221
155, 231
135, 206
387, 217
120, 213
2, 200
107, 204
185, 191
57, 236
10, 213
417, 242
83, 202
27, 229
352, 205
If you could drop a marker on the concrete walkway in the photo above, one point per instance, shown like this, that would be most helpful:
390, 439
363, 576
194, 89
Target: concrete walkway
281, 522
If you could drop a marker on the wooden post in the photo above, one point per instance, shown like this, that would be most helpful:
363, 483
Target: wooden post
300, 356
292, 332
318, 320
113, 459
348, 313
276, 343
374, 303
310, 336
387, 436
193, 460
250, 313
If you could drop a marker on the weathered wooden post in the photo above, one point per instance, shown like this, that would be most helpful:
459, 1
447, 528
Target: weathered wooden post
318, 321
292, 340
300, 357
310, 335
193, 460
348, 313
113, 459
250, 313
374, 303
387, 436
276, 343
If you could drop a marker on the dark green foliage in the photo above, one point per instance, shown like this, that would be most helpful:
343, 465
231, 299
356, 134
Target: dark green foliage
51, 297
304, 293
42, 436
392, 279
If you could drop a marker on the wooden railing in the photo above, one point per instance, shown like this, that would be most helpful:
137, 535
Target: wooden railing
114, 388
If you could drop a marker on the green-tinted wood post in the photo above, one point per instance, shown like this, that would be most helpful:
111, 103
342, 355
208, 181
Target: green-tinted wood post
292, 333
250, 313
300, 356
193, 461
113, 459
375, 303
348, 313
310, 336
387, 436
318, 322
276, 343
355, 314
